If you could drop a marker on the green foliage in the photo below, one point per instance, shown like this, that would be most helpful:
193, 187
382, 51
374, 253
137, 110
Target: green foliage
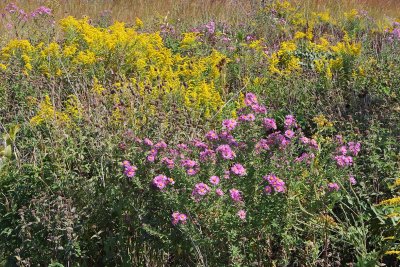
68, 121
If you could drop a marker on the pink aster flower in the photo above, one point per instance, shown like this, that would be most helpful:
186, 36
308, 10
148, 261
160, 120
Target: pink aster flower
248, 117
219, 192
267, 189
160, 181
126, 163
182, 218
333, 187
226, 136
187, 163
214, 180
200, 189
238, 169
147, 142
344, 161
235, 195
269, 124
314, 144
352, 180
304, 140
259, 109
227, 174
191, 171
207, 154
241, 214
226, 152
169, 162
250, 99
199, 144
261, 145
182, 146
178, 217
277, 184
290, 121
160, 145
354, 148
289, 134
41, 11
212, 136
151, 158
229, 124
175, 218
130, 171
342, 150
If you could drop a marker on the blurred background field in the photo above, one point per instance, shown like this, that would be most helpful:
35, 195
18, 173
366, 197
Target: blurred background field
195, 10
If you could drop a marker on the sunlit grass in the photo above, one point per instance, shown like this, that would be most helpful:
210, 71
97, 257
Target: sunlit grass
194, 10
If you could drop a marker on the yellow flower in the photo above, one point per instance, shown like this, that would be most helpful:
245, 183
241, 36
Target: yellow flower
391, 202
189, 40
85, 57
139, 23
321, 121
393, 252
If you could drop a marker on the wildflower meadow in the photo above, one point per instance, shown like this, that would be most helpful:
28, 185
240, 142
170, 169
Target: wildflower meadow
258, 133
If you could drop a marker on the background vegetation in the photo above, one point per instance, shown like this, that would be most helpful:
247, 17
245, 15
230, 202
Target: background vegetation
112, 132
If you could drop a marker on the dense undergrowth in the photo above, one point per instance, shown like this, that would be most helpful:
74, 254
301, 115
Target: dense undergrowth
270, 143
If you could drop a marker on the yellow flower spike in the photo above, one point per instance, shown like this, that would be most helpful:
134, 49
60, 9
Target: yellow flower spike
299, 35
391, 202
351, 15
189, 40
393, 252
322, 121
139, 23
70, 50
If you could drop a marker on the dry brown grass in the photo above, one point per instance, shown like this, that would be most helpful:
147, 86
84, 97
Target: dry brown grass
128, 10
194, 10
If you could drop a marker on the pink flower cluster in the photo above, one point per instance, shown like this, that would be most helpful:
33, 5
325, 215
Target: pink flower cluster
212, 136
248, 117
214, 180
200, 190
241, 214
344, 159
290, 121
238, 169
352, 180
229, 124
305, 157
223, 152
226, 152
333, 187
129, 170
275, 183
178, 217
42, 10
251, 101
235, 195
12, 8
269, 124
191, 166
169, 162
161, 181
261, 145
